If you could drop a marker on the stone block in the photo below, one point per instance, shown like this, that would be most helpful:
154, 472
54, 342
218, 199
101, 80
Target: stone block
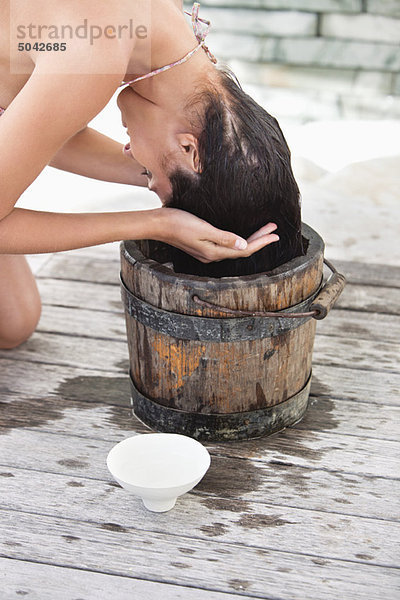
337, 53
289, 105
352, 6
341, 81
235, 45
370, 107
396, 85
374, 28
384, 7
295, 77
373, 81
263, 22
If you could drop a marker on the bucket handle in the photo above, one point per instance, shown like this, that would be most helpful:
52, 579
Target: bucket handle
319, 308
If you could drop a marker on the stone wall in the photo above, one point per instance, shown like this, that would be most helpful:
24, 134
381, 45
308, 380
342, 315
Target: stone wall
348, 51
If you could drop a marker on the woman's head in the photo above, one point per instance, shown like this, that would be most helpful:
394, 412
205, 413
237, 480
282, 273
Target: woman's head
162, 139
222, 157
244, 179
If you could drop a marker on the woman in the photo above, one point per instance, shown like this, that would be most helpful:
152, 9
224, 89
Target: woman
49, 97
220, 156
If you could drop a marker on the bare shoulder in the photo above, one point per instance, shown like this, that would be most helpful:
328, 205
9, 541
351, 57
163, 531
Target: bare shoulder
89, 36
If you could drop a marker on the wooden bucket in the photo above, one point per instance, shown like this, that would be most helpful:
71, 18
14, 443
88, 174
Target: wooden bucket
199, 370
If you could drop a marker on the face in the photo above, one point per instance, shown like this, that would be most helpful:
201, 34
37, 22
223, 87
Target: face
155, 134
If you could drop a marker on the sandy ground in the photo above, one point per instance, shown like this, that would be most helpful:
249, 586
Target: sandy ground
348, 173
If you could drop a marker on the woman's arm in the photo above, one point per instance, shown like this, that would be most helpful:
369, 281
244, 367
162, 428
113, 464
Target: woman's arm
32, 232
46, 113
95, 155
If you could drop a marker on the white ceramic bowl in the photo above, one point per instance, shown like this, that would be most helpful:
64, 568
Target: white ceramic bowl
158, 467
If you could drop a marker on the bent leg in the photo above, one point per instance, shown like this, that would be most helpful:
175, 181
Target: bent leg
20, 304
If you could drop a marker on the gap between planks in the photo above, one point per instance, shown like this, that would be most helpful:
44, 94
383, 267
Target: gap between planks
20, 577
34, 414
118, 551
359, 273
355, 296
233, 542
200, 494
290, 447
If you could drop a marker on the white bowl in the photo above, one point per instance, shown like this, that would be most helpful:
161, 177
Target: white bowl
158, 467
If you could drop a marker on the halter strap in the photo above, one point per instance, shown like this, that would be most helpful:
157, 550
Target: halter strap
200, 34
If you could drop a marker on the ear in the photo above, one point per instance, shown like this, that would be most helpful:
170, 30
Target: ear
189, 147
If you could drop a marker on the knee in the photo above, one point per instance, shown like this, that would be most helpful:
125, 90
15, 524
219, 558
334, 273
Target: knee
19, 329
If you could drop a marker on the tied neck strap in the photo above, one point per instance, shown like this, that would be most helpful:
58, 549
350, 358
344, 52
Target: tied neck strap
200, 34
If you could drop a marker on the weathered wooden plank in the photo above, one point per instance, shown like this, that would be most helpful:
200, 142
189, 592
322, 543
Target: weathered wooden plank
364, 297
309, 449
357, 353
36, 380
89, 352
81, 322
47, 582
369, 273
100, 267
318, 450
358, 385
206, 564
346, 417
105, 251
363, 273
324, 535
80, 294
277, 482
360, 353
358, 462
343, 323
368, 298
361, 326
286, 482
58, 389
338, 491
60, 409
66, 266
71, 351
81, 268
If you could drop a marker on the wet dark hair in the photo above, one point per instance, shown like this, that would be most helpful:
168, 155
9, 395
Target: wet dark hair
246, 180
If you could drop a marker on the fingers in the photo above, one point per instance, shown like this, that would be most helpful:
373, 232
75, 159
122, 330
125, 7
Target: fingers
216, 253
228, 245
269, 228
260, 242
229, 240
208, 244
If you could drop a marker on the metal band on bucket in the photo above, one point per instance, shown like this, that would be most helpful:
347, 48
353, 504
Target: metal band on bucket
211, 329
222, 426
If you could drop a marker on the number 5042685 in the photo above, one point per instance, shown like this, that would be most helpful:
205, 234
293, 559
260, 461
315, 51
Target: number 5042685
42, 47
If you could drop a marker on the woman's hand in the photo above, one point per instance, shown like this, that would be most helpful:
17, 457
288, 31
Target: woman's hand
205, 242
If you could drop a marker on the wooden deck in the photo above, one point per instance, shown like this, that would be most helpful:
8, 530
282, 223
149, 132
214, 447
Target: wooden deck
310, 513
